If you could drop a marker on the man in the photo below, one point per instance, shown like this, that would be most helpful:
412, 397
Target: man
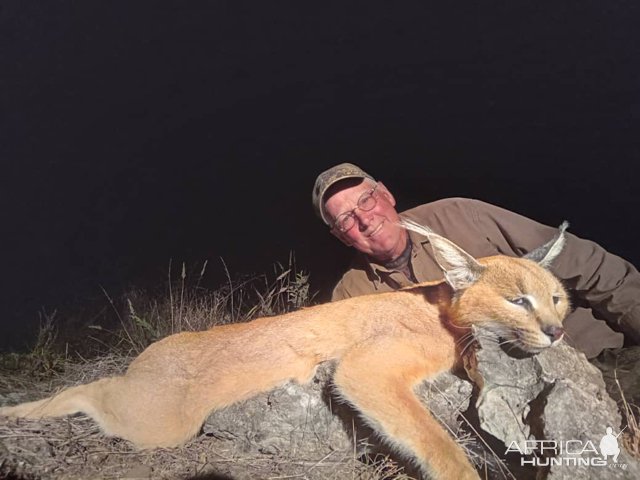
361, 213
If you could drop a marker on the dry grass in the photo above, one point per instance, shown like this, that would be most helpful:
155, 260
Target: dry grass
631, 413
144, 317
73, 448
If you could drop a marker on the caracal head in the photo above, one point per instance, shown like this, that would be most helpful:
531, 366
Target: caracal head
517, 299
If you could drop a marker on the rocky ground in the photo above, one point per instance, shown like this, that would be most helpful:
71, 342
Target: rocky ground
302, 432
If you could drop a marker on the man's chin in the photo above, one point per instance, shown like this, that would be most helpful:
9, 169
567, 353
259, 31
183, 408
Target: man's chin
383, 246
382, 254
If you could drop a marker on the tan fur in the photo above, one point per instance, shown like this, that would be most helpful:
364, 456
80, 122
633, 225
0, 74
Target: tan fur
384, 345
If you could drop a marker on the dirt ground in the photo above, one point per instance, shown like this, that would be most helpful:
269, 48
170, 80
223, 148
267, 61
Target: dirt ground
72, 448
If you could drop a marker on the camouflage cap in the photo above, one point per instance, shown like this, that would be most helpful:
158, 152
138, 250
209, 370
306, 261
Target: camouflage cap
330, 177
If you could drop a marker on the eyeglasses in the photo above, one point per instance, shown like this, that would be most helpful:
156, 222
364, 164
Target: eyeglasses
345, 221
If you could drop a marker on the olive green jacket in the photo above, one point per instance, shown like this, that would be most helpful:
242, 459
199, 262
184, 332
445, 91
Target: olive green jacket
603, 286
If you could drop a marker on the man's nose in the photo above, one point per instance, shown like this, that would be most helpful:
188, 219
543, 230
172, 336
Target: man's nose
363, 218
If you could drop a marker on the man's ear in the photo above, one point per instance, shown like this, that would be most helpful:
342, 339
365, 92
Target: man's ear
340, 237
386, 194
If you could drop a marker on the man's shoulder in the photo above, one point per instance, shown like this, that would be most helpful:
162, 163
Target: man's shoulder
452, 206
465, 221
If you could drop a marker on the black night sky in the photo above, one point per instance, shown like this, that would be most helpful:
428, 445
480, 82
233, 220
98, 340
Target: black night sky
134, 133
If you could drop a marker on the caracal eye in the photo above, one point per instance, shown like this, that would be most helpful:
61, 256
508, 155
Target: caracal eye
521, 302
556, 299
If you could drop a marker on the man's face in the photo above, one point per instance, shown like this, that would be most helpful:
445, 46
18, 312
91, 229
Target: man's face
375, 232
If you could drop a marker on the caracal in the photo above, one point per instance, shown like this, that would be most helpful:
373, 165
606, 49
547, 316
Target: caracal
384, 345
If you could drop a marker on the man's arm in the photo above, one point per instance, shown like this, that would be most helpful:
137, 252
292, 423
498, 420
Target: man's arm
340, 292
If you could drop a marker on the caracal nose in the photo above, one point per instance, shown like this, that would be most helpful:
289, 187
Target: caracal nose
554, 332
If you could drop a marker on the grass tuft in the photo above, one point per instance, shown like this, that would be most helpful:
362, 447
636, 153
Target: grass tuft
631, 413
143, 317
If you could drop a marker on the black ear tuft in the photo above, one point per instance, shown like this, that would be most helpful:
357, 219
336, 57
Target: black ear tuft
548, 252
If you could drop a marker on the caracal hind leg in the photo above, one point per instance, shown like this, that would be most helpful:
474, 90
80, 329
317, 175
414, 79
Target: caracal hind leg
83, 398
379, 381
134, 409
90, 399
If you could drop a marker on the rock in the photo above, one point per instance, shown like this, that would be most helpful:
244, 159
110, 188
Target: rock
557, 397
305, 420
508, 385
446, 397
293, 420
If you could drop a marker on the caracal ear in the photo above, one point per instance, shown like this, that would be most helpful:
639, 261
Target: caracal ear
548, 252
460, 269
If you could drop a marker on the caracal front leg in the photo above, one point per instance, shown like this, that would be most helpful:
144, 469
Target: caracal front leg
379, 380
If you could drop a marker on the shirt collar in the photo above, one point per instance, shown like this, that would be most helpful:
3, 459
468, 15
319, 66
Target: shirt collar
375, 269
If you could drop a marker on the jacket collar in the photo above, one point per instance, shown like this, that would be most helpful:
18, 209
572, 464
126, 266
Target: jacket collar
376, 271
